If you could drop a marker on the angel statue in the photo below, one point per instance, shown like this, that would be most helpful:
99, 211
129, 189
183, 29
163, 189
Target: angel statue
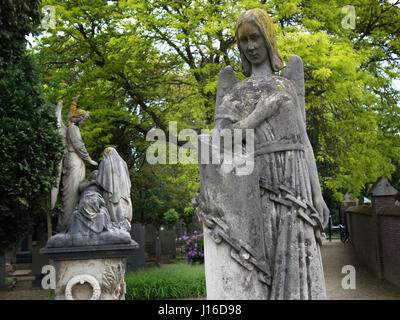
263, 230
72, 167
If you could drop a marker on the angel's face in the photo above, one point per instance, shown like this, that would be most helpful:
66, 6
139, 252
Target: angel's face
80, 118
252, 43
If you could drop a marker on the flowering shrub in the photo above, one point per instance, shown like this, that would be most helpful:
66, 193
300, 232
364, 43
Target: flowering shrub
193, 247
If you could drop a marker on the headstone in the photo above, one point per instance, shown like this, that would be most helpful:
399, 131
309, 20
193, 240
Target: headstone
137, 260
38, 261
2, 272
195, 225
181, 228
168, 243
151, 238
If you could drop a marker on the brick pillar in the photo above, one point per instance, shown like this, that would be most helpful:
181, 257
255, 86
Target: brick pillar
383, 195
345, 218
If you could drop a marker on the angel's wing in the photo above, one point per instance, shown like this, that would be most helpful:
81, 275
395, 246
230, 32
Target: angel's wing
226, 80
63, 131
294, 71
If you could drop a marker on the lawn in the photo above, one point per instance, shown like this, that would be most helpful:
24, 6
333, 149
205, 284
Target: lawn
173, 281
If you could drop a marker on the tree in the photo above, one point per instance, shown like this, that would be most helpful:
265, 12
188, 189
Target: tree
138, 64
30, 146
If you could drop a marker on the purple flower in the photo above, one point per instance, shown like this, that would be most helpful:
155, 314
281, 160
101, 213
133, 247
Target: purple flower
194, 237
195, 245
183, 247
195, 231
180, 239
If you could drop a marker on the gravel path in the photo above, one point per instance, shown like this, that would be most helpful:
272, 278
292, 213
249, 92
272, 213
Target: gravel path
335, 255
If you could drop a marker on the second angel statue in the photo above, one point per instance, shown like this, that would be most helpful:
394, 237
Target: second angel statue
97, 211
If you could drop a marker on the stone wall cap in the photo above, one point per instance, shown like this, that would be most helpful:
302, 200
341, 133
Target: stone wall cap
90, 252
360, 209
390, 211
382, 188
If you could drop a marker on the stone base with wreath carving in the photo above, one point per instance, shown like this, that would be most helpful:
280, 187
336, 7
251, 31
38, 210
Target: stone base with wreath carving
90, 273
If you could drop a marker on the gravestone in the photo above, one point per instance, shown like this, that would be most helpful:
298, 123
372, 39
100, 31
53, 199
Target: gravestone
38, 261
168, 243
151, 240
161, 244
181, 228
2, 272
137, 260
195, 225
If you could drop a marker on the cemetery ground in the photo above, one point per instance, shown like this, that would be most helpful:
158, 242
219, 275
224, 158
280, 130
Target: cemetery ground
183, 281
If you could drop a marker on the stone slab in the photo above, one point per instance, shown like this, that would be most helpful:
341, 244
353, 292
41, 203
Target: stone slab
90, 252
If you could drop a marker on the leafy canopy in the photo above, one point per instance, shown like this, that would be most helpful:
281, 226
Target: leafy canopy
138, 64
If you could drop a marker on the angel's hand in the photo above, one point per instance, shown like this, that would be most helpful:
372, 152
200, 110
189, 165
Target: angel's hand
93, 163
268, 105
265, 108
322, 209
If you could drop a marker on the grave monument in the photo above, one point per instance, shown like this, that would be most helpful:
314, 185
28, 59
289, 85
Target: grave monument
263, 229
93, 240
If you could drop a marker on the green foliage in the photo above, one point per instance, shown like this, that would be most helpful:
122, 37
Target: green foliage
30, 146
171, 217
18, 19
174, 281
157, 188
137, 64
188, 214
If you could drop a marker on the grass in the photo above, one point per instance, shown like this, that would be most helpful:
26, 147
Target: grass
173, 281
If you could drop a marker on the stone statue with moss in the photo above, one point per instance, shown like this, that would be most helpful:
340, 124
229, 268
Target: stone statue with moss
263, 230
96, 211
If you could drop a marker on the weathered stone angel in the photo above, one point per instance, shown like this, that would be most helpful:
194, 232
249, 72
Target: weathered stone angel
263, 230
72, 167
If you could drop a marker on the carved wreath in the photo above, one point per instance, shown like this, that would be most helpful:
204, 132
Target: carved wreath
81, 279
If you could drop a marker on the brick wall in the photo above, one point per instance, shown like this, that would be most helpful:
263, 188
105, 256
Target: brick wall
375, 235
361, 227
389, 224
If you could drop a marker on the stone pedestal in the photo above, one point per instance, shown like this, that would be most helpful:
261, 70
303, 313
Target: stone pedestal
90, 273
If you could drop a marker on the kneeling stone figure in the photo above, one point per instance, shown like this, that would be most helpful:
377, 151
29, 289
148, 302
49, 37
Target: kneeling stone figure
90, 223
